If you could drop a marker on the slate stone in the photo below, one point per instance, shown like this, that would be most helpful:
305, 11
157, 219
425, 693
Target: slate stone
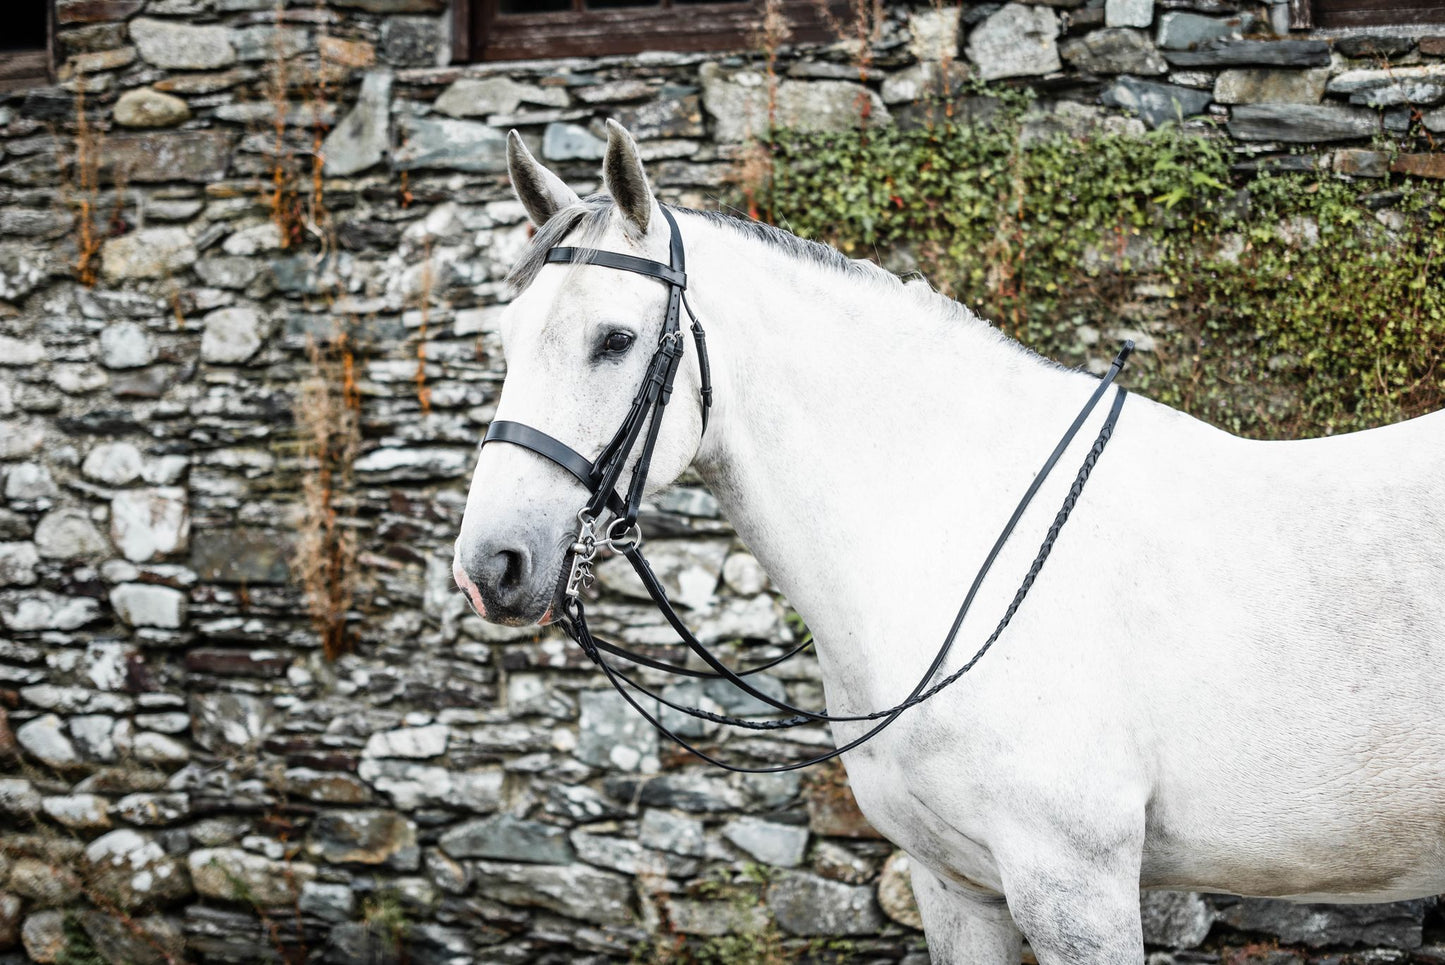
1248, 53
1181, 30
411, 785
780, 845
575, 891
18, 797
738, 102
231, 874
149, 523
147, 605
670, 115
687, 791
1128, 13
229, 723
96, 11
1371, 46
43, 936
613, 735
153, 810
450, 144
1397, 925
716, 918
1302, 123
630, 857
329, 902
479, 97
933, 33
148, 253
44, 739
112, 463
231, 336
31, 609
249, 556
1254, 85
1359, 81
1156, 103
1416, 93
201, 156
133, 870
139, 940
1015, 41
571, 142
393, 6
410, 41
30, 482
806, 905
17, 564
365, 837
10, 919
69, 534
416, 743
362, 138
1175, 919
1114, 51
506, 838
1420, 165
611, 92
180, 46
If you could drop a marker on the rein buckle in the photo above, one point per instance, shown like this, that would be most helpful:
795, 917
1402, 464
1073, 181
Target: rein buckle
584, 551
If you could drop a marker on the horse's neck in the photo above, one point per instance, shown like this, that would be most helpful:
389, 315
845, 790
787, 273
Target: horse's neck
863, 446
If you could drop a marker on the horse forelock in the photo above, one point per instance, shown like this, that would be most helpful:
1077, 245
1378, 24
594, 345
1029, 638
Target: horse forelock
590, 216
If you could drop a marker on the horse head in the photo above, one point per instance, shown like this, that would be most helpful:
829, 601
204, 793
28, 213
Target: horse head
579, 340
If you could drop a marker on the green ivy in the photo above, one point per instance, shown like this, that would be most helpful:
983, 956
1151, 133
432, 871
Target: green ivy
1278, 307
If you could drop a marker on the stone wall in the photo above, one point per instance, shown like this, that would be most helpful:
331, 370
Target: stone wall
185, 773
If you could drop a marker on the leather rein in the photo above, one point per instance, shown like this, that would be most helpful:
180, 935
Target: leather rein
623, 534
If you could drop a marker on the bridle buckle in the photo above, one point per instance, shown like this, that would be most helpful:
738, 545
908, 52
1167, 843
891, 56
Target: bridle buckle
584, 551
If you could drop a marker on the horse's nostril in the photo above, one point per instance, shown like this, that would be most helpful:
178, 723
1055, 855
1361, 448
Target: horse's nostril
512, 570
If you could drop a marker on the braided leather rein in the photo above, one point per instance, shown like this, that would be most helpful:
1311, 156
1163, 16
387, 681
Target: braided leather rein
623, 534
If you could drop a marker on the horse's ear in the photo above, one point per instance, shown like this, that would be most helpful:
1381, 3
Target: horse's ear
626, 182
541, 192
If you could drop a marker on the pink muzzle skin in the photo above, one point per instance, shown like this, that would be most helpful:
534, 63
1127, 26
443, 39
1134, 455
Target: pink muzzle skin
469, 588
473, 594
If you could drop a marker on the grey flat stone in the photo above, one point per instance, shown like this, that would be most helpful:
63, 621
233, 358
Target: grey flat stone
1156, 103
1016, 41
1302, 123
1247, 53
451, 144
362, 138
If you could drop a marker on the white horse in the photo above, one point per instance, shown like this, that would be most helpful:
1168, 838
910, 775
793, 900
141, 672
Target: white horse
1230, 676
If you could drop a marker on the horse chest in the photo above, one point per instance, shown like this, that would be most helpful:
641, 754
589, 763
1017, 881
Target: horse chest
942, 816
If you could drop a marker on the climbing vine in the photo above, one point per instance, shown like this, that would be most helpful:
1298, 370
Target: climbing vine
1277, 305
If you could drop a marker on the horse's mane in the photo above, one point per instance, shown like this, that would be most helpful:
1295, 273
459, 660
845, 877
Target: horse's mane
591, 215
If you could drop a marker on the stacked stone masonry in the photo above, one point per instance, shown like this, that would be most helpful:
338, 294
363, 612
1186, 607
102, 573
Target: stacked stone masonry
182, 773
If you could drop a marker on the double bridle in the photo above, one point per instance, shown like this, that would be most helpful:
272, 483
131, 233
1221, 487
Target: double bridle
623, 534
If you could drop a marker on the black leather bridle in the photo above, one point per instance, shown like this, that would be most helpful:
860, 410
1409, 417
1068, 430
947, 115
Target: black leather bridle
623, 534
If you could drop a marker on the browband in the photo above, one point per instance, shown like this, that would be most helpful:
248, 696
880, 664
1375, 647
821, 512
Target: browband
613, 259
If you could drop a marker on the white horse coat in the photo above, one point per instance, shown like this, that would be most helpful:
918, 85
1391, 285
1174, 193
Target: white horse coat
1229, 676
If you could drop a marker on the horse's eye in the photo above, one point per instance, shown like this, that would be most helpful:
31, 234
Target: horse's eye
617, 343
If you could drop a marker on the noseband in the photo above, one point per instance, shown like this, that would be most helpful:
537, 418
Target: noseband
623, 534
